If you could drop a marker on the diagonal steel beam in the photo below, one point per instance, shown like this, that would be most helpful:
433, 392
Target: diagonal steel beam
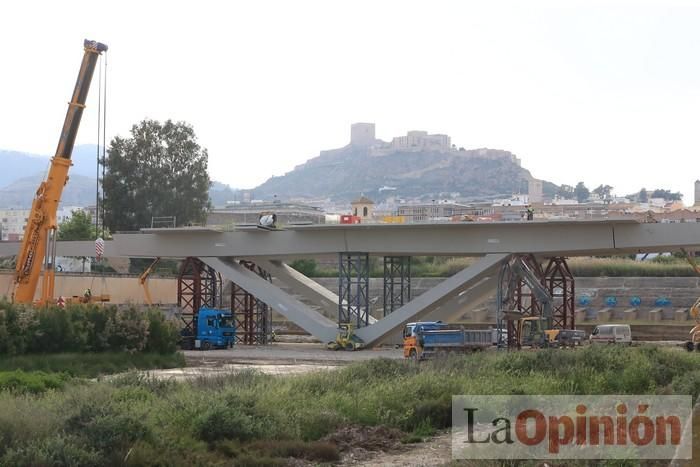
427, 302
310, 320
302, 285
467, 300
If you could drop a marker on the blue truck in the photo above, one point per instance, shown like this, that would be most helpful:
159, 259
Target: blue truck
214, 329
425, 339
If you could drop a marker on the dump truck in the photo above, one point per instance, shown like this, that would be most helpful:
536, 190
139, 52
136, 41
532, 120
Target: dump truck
426, 339
214, 329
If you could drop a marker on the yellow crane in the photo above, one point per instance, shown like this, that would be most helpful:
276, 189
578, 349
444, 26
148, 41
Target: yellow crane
39, 242
143, 280
694, 342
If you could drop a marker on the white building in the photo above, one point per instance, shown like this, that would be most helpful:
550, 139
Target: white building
12, 223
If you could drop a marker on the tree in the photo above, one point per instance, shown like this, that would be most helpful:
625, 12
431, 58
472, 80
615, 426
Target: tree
78, 227
643, 196
666, 195
604, 192
566, 192
582, 193
159, 171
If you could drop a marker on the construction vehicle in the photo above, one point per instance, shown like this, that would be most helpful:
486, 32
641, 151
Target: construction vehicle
534, 332
143, 280
425, 339
611, 334
214, 329
39, 242
345, 339
693, 342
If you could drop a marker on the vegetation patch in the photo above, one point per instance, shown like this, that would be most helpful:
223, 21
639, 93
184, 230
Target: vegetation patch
249, 418
34, 382
84, 328
89, 365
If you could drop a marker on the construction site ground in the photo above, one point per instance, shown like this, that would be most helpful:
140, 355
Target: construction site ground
285, 354
292, 358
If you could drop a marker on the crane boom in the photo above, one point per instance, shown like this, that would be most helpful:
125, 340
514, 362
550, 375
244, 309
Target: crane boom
39, 242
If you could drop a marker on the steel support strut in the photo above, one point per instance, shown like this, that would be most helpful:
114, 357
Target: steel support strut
521, 293
252, 316
198, 285
397, 282
353, 289
560, 285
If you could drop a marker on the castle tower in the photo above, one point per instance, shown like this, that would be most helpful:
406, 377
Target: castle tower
362, 134
697, 194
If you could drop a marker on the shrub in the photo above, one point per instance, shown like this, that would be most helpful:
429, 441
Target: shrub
84, 328
114, 431
16, 325
57, 450
222, 422
434, 413
163, 335
127, 330
22, 420
34, 382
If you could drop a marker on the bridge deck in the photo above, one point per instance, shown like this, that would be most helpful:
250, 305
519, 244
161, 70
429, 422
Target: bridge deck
567, 238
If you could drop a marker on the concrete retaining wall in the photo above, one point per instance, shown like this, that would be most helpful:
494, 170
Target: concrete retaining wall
680, 292
122, 289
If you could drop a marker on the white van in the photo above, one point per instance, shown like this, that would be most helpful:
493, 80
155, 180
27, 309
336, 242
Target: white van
611, 334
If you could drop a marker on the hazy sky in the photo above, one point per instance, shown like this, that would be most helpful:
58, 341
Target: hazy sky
606, 92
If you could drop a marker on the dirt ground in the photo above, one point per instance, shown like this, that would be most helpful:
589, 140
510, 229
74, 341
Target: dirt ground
436, 451
286, 354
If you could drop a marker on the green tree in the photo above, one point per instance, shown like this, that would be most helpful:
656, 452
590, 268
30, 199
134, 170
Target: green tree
581, 192
160, 170
78, 227
666, 194
604, 192
565, 192
643, 196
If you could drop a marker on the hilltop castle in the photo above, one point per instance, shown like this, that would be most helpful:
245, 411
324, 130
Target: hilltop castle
362, 135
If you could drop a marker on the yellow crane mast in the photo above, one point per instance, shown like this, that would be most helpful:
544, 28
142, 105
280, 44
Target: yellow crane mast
39, 242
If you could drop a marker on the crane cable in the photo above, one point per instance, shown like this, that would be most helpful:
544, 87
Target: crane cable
104, 145
101, 141
99, 123
104, 160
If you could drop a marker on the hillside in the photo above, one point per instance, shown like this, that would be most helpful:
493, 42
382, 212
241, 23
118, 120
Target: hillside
342, 174
80, 191
18, 185
27, 165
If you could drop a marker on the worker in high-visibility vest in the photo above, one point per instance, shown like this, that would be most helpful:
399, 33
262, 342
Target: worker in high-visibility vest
530, 212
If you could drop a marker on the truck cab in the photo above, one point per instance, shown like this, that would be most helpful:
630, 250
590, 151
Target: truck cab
215, 329
411, 346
